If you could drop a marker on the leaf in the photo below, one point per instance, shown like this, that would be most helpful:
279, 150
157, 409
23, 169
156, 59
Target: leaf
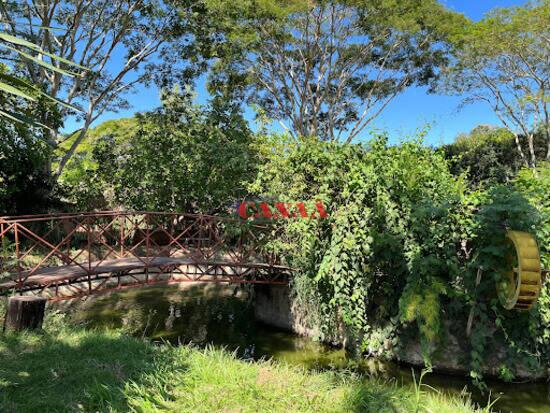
42, 63
16, 40
15, 80
15, 91
58, 101
21, 82
22, 42
61, 59
22, 119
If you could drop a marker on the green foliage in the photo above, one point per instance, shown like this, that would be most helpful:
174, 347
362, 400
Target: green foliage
391, 236
27, 117
405, 237
501, 208
535, 185
345, 262
489, 155
421, 302
505, 30
502, 61
325, 69
25, 184
181, 157
403, 243
14, 85
120, 130
83, 184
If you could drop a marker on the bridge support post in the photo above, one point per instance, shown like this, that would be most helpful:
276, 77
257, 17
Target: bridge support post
25, 313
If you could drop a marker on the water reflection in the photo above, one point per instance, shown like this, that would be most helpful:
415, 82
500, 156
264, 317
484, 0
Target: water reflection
223, 316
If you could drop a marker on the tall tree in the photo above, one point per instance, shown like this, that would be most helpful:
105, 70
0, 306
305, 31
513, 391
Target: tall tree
117, 40
504, 61
327, 68
24, 155
179, 157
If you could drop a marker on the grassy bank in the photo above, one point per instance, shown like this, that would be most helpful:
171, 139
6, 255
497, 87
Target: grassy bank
74, 369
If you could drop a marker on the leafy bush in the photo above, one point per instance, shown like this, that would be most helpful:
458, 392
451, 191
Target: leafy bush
403, 243
493, 327
489, 155
535, 185
84, 186
180, 157
392, 233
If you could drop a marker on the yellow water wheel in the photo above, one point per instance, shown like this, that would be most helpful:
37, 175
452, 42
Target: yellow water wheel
520, 288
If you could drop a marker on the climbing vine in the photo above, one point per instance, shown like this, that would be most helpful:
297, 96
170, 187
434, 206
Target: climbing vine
399, 255
501, 208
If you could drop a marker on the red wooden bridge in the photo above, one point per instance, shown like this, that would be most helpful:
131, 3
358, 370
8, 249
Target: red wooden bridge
64, 256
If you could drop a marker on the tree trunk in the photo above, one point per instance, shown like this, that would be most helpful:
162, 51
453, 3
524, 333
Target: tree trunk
25, 313
68, 155
518, 146
530, 141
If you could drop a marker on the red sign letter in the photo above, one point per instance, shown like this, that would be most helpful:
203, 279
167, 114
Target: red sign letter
243, 209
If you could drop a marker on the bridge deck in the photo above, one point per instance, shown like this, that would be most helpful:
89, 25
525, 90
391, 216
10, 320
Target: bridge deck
51, 275
138, 247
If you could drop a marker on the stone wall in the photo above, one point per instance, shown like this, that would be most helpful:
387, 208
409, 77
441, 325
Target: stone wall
273, 306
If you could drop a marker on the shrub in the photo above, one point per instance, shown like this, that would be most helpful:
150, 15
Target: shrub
489, 155
392, 235
403, 244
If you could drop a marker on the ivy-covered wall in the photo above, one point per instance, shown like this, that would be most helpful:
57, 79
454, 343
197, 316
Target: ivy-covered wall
396, 262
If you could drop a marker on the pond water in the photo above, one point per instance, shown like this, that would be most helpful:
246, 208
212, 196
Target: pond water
222, 316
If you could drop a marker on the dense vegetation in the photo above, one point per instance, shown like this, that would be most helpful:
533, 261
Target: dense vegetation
409, 226
183, 157
25, 184
488, 155
403, 244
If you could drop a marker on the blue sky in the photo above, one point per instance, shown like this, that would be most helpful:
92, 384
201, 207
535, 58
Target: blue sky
411, 111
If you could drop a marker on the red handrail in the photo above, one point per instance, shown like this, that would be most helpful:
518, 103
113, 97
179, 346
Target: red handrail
85, 241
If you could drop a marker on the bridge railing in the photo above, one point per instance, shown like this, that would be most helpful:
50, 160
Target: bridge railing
87, 240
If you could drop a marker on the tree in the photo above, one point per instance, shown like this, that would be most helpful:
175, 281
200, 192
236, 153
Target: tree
504, 61
25, 186
24, 156
90, 33
488, 154
326, 68
80, 179
180, 157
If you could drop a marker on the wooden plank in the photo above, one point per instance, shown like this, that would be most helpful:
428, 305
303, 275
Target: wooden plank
67, 272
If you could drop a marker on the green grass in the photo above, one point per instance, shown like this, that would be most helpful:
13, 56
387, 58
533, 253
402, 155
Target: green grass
75, 370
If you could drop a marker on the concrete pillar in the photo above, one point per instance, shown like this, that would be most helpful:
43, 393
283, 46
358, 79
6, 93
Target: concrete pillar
272, 305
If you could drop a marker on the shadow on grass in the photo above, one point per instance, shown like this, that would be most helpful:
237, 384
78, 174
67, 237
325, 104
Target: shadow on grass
79, 371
